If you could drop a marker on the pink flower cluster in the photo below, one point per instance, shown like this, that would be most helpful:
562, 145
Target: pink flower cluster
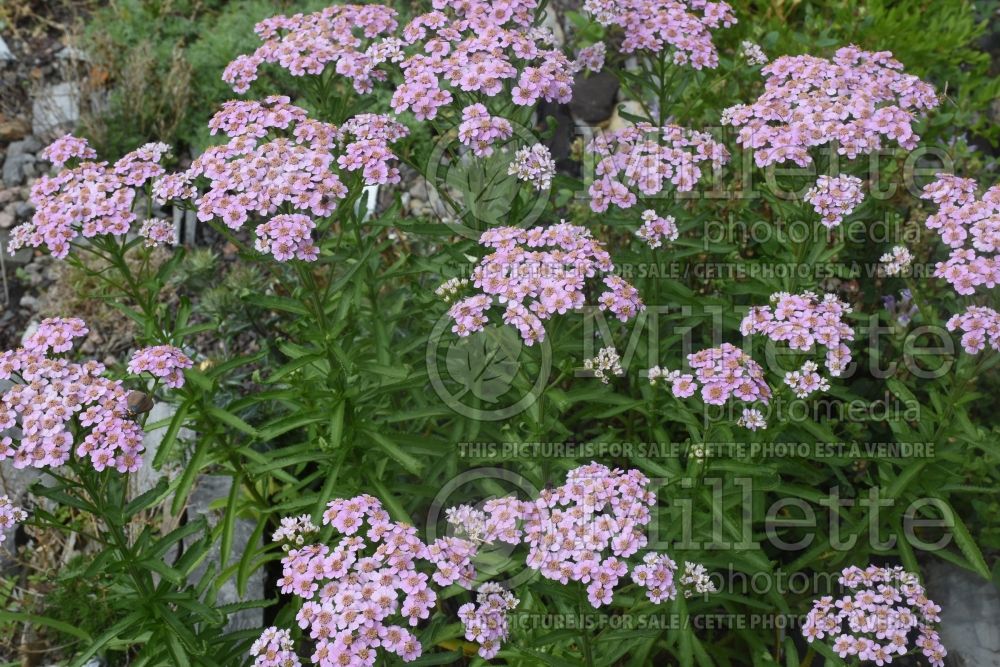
67, 148
157, 233
486, 621
161, 361
52, 399
656, 229
480, 49
534, 164
370, 152
645, 158
655, 25
90, 199
885, 610
293, 530
570, 529
582, 531
656, 575
537, 273
978, 325
479, 130
971, 228
723, 372
591, 58
856, 100
834, 198
803, 321
307, 43
288, 237
248, 177
274, 648
10, 516
354, 591
806, 380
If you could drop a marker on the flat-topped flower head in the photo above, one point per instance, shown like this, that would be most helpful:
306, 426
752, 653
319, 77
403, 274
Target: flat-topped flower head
857, 101
591, 58
834, 198
56, 404
67, 148
897, 261
342, 36
279, 159
164, 362
480, 131
645, 159
681, 28
884, 613
274, 648
720, 373
10, 516
481, 49
585, 530
805, 321
358, 592
656, 229
537, 273
90, 199
970, 227
486, 621
605, 365
534, 165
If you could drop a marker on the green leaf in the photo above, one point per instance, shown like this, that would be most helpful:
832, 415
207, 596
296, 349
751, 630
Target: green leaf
231, 419
35, 619
410, 464
135, 618
967, 545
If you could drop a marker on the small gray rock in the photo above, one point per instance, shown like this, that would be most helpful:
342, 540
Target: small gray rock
7, 218
970, 607
55, 108
28, 145
6, 54
23, 210
594, 97
17, 167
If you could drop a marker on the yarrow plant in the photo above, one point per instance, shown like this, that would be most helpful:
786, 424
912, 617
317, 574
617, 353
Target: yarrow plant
722, 372
970, 227
583, 531
162, 361
295, 355
10, 516
680, 28
486, 621
835, 198
534, 165
592, 57
644, 158
307, 43
856, 100
57, 404
897, 261
885, 613
655, 229
250, 176
805, 321
537, 273
89, 199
